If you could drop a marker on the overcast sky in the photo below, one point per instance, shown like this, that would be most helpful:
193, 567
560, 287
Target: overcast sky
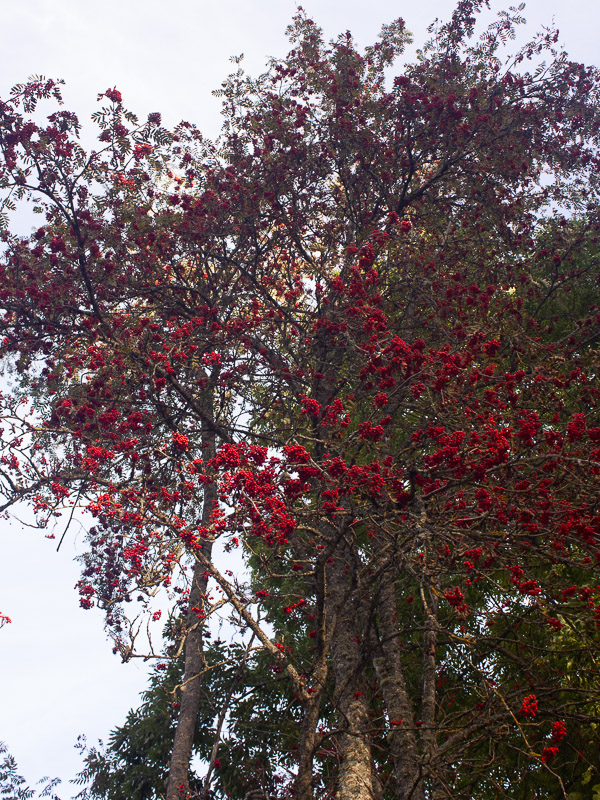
58, 677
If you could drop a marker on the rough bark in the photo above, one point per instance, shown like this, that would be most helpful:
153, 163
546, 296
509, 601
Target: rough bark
309, 740
309, 737
355, 780
191, 688
428, 732
387, 660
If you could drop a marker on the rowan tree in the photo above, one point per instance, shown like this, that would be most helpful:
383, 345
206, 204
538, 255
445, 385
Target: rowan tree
354, 344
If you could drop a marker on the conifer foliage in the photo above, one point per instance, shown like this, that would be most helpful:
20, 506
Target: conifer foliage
334, 378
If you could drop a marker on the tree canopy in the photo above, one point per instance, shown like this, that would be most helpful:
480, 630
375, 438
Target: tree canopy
333, 378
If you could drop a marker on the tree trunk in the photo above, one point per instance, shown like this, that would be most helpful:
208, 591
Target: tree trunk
428, 731
355, 780
191, 689
310, 737
308, 743
387, 660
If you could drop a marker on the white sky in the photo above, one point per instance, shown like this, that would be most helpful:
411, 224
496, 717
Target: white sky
58, 677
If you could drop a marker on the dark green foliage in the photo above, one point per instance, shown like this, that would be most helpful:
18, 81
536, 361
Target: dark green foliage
14, 786
134, 764
259, 718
